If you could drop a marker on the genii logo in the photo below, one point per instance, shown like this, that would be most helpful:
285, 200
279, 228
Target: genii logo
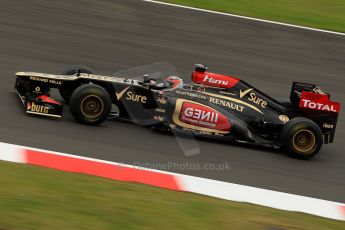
202, 116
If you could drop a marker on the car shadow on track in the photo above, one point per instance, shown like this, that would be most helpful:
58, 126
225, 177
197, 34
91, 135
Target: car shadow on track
209, 140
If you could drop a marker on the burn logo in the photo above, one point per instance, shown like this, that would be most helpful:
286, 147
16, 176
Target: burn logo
37, 108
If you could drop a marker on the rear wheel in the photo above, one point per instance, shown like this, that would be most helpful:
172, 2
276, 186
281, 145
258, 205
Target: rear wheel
301, 138
67, 88
90, 104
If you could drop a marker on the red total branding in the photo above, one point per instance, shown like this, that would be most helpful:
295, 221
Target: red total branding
315, 101
314, 105
199, 115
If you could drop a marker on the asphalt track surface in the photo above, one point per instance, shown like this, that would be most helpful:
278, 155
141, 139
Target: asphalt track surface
47, 36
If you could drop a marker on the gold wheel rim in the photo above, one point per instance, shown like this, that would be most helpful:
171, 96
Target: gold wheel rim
304, 141
91, 106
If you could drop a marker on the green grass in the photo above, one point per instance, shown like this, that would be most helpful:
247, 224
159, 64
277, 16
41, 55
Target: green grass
39, 198
322, 14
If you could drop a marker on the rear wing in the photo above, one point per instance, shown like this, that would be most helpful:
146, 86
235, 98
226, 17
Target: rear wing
316, 105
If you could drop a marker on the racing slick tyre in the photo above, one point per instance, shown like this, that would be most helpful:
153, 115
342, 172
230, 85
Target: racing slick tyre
301, 138
90, 104
67, 88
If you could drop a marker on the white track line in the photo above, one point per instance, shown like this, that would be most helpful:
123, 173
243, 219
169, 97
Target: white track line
186, 183
244, 17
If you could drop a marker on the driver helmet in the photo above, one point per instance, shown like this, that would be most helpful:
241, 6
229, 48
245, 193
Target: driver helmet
174, 82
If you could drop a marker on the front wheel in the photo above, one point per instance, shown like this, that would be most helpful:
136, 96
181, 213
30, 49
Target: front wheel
90, 104
301, 138
67, 88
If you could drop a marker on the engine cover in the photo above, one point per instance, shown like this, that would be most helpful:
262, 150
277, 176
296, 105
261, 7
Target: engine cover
213, 79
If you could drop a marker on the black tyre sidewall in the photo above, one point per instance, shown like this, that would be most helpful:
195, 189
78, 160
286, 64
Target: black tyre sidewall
292, 127
82, 92
67, 88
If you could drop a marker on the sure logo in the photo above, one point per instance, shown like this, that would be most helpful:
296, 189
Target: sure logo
257, 100
136, 97
253, 98
131, 96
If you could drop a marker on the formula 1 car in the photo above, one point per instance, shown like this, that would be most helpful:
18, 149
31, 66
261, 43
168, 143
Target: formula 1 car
214, 105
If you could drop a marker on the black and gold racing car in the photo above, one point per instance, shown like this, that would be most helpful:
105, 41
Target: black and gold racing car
213, 105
